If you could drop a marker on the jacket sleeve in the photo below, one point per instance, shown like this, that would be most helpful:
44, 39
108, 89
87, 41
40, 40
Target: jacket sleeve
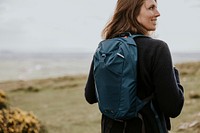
168, 90
90, 94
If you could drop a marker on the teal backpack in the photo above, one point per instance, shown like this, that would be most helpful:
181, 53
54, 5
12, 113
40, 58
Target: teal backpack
115, 77
115, 74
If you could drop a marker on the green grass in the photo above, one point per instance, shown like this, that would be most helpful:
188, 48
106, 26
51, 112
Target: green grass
60, 104
190, 75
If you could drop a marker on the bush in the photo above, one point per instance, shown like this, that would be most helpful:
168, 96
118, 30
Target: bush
15, 120
3, 100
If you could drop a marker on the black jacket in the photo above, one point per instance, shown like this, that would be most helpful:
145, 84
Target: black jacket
156, 74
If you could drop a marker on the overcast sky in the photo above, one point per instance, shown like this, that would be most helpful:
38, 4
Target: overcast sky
75, 25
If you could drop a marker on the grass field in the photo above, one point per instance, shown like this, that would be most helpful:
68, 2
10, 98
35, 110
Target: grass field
60, 104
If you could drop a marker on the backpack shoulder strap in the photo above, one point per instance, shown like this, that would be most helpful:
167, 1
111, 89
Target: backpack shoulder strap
133, 36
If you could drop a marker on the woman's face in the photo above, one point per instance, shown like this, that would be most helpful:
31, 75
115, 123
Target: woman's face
148, 15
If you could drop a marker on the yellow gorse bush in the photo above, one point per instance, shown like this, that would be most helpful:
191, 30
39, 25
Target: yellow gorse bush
3, 100
15, 120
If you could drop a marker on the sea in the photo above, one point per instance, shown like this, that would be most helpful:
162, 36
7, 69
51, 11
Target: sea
27, 66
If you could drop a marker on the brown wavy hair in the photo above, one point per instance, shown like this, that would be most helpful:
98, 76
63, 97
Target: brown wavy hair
125, 19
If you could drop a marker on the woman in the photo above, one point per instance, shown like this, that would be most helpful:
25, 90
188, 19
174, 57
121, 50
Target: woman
156, 74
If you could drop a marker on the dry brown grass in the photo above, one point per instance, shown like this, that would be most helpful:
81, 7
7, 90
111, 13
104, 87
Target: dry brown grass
68, 82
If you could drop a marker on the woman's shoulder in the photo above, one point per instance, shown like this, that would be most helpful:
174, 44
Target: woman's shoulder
155, 41
151, 42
